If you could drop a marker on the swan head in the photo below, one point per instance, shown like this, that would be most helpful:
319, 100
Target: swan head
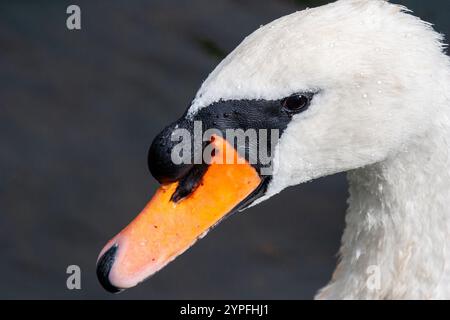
371, 67
346, 85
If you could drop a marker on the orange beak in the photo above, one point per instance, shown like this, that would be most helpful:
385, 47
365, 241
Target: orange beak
165, 229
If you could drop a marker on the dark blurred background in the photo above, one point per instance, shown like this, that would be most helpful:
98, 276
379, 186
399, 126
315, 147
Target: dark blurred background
78, 110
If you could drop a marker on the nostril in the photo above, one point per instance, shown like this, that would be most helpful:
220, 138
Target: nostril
104, 266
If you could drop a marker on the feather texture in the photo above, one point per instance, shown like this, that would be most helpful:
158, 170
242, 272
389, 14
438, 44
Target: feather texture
382, 114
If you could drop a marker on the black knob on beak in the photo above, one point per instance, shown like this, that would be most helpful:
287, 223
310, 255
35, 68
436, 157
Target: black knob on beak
160, 161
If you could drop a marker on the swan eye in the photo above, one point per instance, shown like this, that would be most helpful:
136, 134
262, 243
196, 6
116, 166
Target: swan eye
297, 102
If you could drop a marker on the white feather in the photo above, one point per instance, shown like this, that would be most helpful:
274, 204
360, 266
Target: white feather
382, 114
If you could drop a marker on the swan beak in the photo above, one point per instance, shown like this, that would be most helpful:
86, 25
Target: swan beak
165, 228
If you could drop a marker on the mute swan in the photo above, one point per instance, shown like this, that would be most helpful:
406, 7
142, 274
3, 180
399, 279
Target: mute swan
360, 86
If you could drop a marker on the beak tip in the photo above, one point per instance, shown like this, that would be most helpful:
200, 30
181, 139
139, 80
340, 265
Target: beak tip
104, 265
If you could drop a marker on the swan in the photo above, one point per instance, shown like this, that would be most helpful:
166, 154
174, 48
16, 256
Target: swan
356, 86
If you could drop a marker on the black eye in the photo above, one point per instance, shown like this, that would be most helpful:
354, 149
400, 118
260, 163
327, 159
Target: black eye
297, 102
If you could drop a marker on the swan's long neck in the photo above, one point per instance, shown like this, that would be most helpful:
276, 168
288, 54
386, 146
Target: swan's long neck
397, 241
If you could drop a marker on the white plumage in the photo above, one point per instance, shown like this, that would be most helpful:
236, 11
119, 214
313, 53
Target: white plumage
382, 113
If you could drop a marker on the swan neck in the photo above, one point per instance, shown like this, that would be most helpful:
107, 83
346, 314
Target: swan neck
397, 226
